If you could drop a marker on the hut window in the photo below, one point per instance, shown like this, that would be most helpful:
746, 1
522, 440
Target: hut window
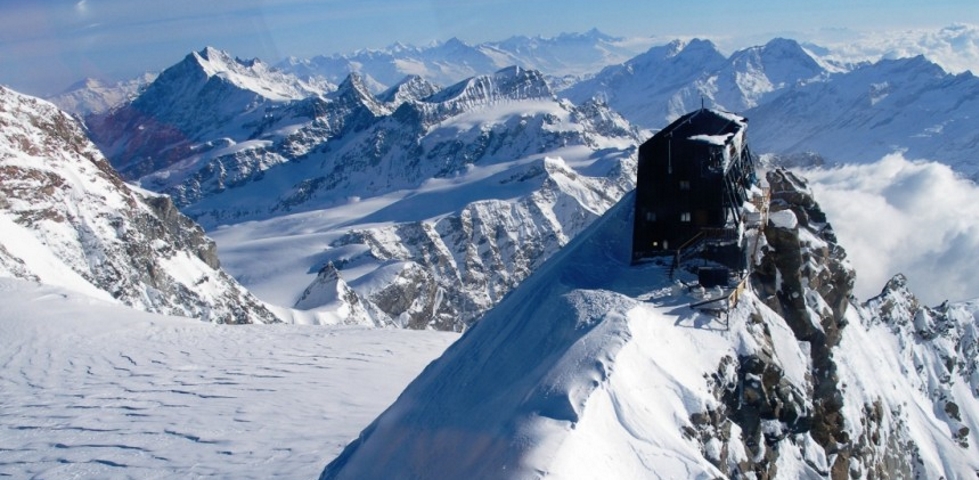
684, 184
685, 217
650, 216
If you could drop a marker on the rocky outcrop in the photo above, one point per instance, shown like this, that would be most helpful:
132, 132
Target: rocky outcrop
802, 278
940, 343
330, 292
76, 218
445, 273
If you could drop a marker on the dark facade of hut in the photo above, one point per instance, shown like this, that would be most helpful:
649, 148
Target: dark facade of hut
693, 178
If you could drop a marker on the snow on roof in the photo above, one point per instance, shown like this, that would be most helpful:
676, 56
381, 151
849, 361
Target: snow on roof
718, 140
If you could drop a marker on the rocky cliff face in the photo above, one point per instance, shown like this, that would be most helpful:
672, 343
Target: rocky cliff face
446, 273
803, 279
940, 347
71, 217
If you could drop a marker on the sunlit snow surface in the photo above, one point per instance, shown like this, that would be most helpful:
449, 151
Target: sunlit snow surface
593, 369
93, 390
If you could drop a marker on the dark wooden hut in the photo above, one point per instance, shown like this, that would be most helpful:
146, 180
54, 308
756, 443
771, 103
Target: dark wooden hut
692, 181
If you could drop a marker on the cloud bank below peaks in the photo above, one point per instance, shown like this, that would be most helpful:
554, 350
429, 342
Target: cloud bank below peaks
955, 48
903, 216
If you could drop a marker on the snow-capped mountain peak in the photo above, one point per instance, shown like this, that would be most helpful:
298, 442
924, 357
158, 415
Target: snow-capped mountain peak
510, 83
252, 75
412, 87
354, 90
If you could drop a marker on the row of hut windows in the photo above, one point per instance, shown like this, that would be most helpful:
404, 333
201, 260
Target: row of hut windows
684, 217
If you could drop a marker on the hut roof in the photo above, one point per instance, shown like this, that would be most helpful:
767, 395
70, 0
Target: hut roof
706, 125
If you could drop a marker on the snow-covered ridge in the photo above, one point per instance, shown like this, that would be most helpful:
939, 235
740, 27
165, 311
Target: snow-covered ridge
69, 220
594, 368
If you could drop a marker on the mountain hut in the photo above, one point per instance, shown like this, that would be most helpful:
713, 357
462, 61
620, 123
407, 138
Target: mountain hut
693, 178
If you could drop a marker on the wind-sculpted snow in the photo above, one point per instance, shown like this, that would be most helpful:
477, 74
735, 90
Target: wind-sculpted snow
69, 220
595, 368
95, 390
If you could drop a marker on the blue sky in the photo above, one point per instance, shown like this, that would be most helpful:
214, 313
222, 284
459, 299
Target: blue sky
45, 45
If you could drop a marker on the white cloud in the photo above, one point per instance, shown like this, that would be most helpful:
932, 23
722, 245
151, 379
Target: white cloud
955, 48
901, 216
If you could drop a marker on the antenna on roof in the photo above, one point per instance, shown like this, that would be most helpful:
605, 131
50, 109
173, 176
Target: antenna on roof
701, 102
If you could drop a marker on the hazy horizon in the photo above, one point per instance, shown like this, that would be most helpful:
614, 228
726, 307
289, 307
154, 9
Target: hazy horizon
47, 46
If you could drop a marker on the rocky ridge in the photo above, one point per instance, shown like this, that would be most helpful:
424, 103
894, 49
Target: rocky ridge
593, 366
72, 221
447, 272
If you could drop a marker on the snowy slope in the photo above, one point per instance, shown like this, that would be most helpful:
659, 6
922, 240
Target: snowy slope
95, 390
69, 220
593, 368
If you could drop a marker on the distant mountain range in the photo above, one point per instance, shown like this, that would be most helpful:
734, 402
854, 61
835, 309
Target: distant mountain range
445, 63
799, 104
499, 204
234, 141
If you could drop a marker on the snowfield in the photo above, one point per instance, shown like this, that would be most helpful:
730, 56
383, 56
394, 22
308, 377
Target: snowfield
90, 389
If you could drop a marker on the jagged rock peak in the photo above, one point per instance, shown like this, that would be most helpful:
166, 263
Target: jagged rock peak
251, 75
511, 83
411, 88
353, 91
896, 304
697, 47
